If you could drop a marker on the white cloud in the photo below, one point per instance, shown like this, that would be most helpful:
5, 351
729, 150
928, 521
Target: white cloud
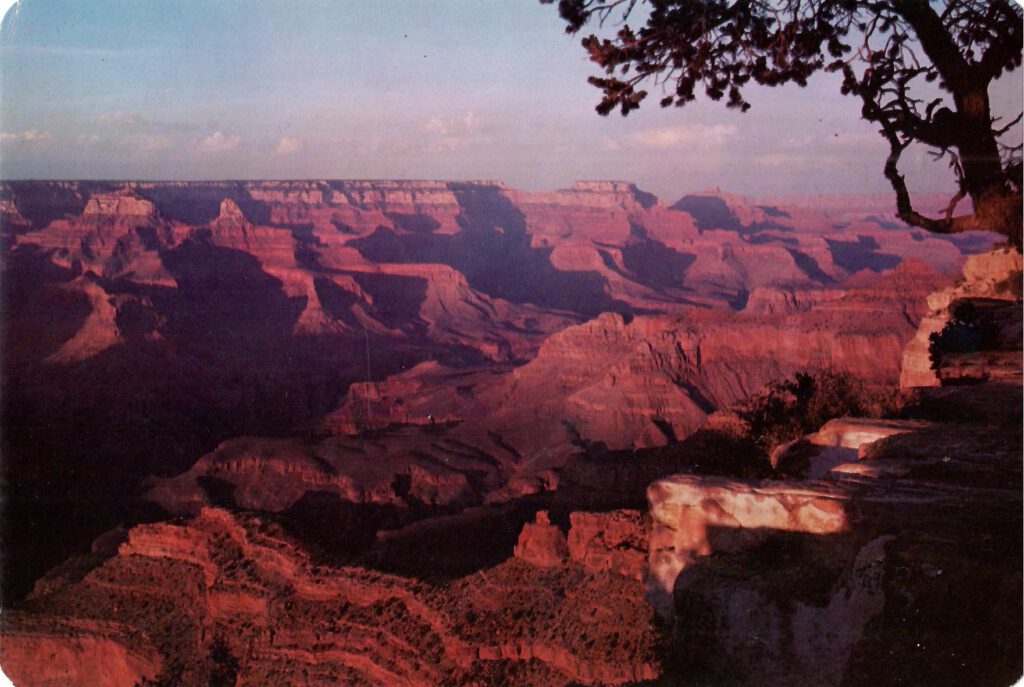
150, 142
87, 139
29, 136
218, 143
466, 124
436, 125
33, 135
288, 146
446, 144
455, 133
695, 135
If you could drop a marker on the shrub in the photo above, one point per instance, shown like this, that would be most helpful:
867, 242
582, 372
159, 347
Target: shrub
977, 324
1013, 285
790, 409
958, 336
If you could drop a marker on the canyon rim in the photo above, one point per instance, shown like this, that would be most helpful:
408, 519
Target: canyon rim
344, 344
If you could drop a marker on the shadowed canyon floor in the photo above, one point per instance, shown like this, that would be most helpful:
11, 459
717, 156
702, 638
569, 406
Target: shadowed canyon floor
347, 432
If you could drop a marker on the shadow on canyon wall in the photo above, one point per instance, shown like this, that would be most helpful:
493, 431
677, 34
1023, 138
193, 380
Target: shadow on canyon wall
493, 251
212, 359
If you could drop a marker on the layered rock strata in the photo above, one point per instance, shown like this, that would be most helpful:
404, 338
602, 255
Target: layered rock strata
223, 597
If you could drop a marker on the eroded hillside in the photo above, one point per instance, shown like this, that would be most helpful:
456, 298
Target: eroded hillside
401, 432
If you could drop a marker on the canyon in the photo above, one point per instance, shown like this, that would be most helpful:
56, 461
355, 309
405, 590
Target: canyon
430, 432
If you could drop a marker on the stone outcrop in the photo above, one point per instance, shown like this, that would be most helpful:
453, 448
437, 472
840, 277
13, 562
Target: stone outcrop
542, 544
836, 580
615, 541
765, 300
993, 275
105, 238
838, 442
274, 474
788, 639
694, 516
42, 652
99, 330
598, 542
119, 205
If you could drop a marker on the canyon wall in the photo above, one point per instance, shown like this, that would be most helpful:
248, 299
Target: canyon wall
837, 569
222, 597
398, 432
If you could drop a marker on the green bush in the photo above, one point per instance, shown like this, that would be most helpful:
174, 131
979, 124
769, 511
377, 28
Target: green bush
790, 409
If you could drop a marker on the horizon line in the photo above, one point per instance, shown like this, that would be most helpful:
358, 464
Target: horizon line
707, 190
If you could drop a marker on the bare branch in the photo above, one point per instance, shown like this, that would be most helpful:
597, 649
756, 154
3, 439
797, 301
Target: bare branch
1003, 130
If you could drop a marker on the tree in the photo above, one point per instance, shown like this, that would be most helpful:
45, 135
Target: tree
886, 51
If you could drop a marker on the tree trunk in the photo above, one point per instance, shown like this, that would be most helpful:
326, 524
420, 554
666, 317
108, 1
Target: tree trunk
996, 207
1001, 210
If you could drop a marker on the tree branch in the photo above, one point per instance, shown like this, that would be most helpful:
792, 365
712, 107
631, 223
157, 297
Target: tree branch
904, 208
1003, 54
936, 41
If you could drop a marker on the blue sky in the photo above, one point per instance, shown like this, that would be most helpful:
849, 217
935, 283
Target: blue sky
446, 89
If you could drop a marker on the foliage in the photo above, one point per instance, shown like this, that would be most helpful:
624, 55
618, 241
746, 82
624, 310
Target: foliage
1013, 285
971, 329
790, 409
920, 71
957, 336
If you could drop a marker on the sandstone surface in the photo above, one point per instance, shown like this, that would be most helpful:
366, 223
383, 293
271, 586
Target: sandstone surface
842, 561
993, 275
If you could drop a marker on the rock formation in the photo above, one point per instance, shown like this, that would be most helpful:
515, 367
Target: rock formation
542, 544
77, 652
222, 597
99, 330
812, 581
400, 432
995, 275
613, 541
272, 475
647, 381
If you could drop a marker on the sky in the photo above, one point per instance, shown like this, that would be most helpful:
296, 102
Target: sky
394, 89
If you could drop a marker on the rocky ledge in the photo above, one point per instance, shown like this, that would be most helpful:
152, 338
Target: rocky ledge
896, 562
995, 275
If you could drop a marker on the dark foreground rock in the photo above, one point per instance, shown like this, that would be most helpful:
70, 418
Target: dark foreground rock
900, 565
